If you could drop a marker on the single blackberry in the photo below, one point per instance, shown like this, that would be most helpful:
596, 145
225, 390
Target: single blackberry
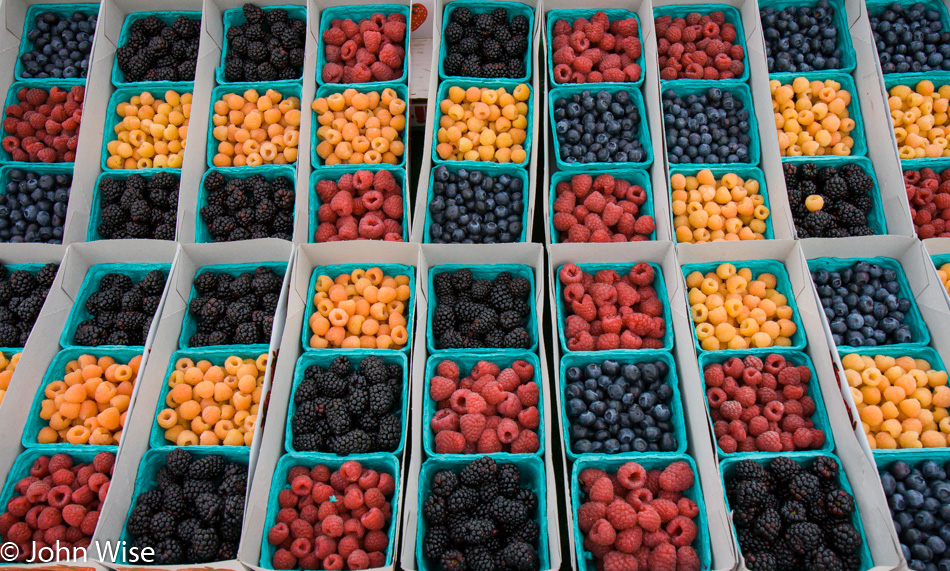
354, 442
463, 16
454, 62
493, 70
139, 521
749, 470
849, 215
843, 538
819, 223
87, 336
435, 542
479, 558
193, 488
309, 442
517, 339
206, 468
390, 433
760, 561
435, 510
803, 538
529, 532
454, 33
519, 25
150, 501
515, 68
471, 530
204, 545
168, 551
173, 500
493, 50
162, 525
838, 504
769, 524
518, 556
209, 507
247, 334
783, 469
508, 513
793, 512
462, 500
826, 468
479, 471
808, 171
453, 561
825, 560
22, 282
750, 495
804, 487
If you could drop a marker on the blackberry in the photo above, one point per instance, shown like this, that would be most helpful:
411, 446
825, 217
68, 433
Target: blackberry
517, 339
808, 171
838, 504
850, 215
793, 512
750, 470
173, 500
493, 70
750, 495
519, 25
768, 525
463, 16
509, 480
473, 531
168, 551
85, 336
354, 442
204, 544
139, 521
492, 50
515, 68
193, 488
453, 561
479, 559
824, 559
508, 513
209, 507
435, 510
760, 561
803, 538
479, 471
247, 334
206, 468
843, 538
22, 282
528, 498
454, 33
518, 556
309, 442
162, 525
462, 500
529, 532
783, 469
390, 433
150, 501
444, 483
826, 468
804, 487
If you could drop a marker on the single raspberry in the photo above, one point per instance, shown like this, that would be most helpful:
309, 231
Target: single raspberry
602, 533
589, 513
621, 515
529, 418
802, 438
768, 441
441, 388
445, 419
508, 379
677, 477
510, 407
649, 519
283, 559
448, 369
507, 431
471, 426
449, 442
663, 558
602, 490
488, 442
619, 561
666, 508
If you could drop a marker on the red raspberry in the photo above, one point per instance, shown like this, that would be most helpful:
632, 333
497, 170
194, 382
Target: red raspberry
449, 442
59, 461
89, 522
507, 431
629, 540
730, 409
621, 515
441, 388
395, 31
666, 508
510, 407
802, 438
565, 203
687, 559
817, 438
583, 342
448, 369
602, 533
728, 33
589, 513
373, 520
663, 558
768, 441
488, 442
575, 325
682, 531
82, 495
608, 342
302, 485
471, 426
581, 185
602, 490
618, 561
773, 411
737, 430
283, 559
649, 519
35, 96
445, 419
677, 477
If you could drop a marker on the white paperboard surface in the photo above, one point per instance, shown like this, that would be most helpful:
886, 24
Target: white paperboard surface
700, 446
306, 258
860, 471
439, 254
537, 103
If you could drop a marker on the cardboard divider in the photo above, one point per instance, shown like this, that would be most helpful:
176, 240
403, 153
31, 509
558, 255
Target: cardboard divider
535, 108
650, 90
433, 255
288, 347
698, 434
152, 378
882, 540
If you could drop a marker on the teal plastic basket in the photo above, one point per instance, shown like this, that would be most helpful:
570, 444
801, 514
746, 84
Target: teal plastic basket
322, 174
489, 169
876, 219
875, 7
720, 171
465, 364
625, 358
727, 470
123, 94
90, 285
634, 176
533, 478
926, 353
940, 260
32, 268
938, 78
732, 17
484, 7
464, 83
740, 92
285, 88
358, 13
796, 358
152, 462
783, 285
860, 147
61, 10
325, 90
323, 359
217, 356
95, 213
613, 14
56, 372
483, 272
621, 268
167, 16
44, 84
585, 559
190, 325
269, 172
340, 269
918, 327
643, 129
383, 463
839, 18
235, 17
39, 168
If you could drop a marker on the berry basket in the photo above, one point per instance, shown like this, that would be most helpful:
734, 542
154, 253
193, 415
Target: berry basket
732, 17
727, 469
465, 364
54, 372
896, 351
32, 268
402, 92
190, 325
643, 129
938, 261
783, 286
625, 357
90, 284
570, 15
532, 475
95, 213
840, 19
357, 13
634, 176
39, 168
740, 92
323, 359
743, 172
658, 284
321, 174
285, 88
875, 7
918, 327
860, 147
66, 84
484, 7
336, 270
489, 169
483, 272
235, 17
796, 358
939, 78
384, 463
61, 10
154, 460
122, 94
649, 462
118, 76
465, 83
269, 172
876, 219
216, 356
